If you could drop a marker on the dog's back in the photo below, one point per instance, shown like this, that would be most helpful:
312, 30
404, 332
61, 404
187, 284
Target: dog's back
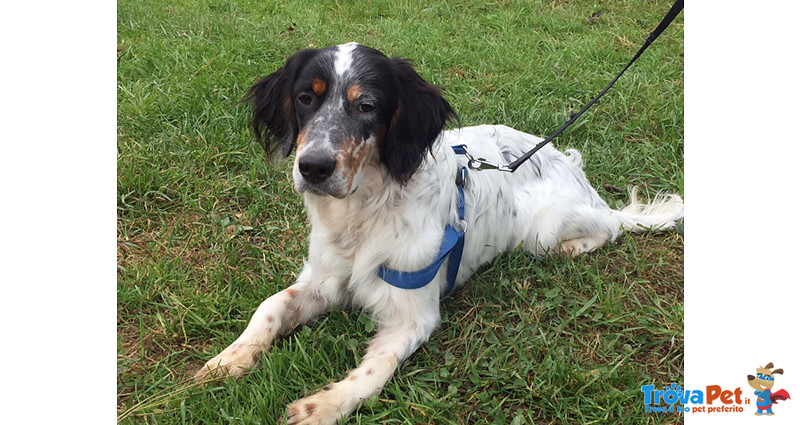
548, 204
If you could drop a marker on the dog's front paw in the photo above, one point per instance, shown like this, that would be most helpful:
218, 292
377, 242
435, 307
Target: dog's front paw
316, 409
235, 360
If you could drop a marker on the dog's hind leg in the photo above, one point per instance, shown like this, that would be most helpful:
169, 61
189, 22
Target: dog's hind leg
569, 228
572, 228
577, 246
276, 316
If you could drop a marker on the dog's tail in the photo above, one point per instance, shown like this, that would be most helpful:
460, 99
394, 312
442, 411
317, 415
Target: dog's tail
661, 213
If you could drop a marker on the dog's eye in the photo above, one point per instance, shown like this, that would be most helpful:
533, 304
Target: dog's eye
305, 99
365, 107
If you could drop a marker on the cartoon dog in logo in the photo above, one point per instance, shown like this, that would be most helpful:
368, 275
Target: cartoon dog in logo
763, 382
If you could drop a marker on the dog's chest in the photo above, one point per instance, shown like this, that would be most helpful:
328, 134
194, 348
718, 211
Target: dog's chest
342, 226
372, 233
344, 243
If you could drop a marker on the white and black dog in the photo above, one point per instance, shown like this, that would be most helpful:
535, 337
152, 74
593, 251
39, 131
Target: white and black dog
377, 174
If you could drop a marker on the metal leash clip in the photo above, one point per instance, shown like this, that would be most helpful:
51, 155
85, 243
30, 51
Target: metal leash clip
482, 164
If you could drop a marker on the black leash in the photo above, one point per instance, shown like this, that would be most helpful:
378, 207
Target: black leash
482, 164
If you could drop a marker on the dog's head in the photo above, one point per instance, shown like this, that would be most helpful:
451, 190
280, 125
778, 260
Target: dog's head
344, 108
764, 378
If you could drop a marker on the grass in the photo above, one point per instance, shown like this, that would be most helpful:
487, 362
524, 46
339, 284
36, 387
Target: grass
207, 229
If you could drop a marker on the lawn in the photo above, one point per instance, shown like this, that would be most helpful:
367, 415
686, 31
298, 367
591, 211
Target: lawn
207, 228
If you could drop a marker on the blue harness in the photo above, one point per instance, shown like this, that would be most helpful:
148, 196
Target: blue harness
452, 245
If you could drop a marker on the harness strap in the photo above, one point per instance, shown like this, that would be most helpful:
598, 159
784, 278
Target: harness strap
452, 245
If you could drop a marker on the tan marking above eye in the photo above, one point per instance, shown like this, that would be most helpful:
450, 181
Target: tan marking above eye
318, 85
353, 92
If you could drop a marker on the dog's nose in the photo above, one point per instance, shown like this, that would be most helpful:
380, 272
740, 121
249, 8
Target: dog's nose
316, 168
750, 377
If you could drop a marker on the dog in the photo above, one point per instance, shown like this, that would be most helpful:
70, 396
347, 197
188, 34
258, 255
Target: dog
763, 383
376, 171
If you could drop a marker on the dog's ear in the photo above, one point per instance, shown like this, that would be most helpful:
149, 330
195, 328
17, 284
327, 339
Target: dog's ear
768, 366
274, 118
420, 117
778, 371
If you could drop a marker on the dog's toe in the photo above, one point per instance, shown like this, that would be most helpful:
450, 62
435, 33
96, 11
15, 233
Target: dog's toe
210, 372
312, 410
233, 361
